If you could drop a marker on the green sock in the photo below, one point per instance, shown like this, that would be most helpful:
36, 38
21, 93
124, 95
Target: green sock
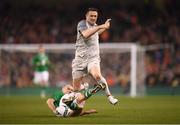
87, 93
73, 106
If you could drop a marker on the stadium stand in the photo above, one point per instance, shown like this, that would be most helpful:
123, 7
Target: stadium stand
145, 23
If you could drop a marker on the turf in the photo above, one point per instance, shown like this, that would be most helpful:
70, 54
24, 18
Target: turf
149, 110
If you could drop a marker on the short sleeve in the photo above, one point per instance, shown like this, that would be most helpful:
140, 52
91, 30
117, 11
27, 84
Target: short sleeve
82, 26
57, 97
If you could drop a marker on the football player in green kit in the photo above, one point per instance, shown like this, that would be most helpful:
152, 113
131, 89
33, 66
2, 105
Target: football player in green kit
41, 65
66, 103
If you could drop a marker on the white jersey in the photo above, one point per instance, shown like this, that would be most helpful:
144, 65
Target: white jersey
87, 51
86, 48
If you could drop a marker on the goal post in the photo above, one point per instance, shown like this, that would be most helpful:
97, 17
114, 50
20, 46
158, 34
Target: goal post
133, 74
137, 67
129, 59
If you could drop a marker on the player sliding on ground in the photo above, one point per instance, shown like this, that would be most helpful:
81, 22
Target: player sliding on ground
87, 57
68, 103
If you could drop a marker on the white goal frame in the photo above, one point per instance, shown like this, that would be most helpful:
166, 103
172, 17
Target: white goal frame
70, 48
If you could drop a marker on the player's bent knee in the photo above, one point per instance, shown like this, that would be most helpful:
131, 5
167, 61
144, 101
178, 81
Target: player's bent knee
97, 77
49, 101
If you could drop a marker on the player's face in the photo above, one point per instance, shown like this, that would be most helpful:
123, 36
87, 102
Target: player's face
41, 50
67, 89
91, 17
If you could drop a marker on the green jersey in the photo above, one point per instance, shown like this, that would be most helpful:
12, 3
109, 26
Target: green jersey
57, 97
40, 62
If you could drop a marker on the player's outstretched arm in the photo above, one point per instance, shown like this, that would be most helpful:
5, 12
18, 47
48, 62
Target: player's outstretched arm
50, 103
90, 31
87, 112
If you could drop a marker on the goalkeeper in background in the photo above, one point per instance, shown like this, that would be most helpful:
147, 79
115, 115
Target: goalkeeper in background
41, 65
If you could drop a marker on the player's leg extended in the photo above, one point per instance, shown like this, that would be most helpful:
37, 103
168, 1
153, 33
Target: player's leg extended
80, 97
86, 93
76, 100
96, 73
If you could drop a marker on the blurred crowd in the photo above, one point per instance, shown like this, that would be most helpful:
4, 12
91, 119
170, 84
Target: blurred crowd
146, 23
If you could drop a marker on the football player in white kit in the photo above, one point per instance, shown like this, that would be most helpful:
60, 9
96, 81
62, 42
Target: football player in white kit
87, 55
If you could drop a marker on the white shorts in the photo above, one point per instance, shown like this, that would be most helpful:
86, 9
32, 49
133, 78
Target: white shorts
41, 77
63, 109
80, 68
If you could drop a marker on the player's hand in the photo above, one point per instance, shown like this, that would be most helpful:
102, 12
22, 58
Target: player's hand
55, 112
108, 20
106, 25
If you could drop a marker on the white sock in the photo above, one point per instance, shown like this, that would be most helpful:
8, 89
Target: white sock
103, 80
43, 94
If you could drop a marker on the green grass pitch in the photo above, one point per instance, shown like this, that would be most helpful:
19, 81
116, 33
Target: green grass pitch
149, 110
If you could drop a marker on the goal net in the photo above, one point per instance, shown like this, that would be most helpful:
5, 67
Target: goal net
122, 65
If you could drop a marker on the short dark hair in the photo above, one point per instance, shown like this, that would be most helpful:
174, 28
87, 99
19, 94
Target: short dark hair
92, 9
